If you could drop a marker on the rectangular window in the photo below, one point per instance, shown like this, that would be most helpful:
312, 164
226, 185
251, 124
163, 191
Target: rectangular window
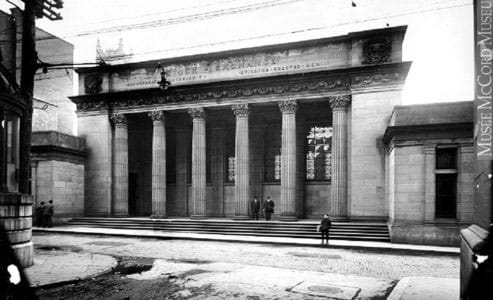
446, 183
318, 152
272, 150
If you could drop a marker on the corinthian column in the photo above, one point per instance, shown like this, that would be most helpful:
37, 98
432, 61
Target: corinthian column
242, 161
120, 166
338, 191
158, 165
198, 163
288, 160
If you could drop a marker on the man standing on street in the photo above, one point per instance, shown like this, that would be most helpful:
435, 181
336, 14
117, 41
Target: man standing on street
268, 208
48, 214
255, 206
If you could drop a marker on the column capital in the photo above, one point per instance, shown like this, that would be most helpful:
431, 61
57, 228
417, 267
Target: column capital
288, 106
157, 115
241, 110
197, 112
340, 102
119, 119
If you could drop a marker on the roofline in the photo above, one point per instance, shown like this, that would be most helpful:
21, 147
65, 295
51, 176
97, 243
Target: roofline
251, 50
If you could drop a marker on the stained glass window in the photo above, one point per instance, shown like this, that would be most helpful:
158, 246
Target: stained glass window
318, 153
230, 156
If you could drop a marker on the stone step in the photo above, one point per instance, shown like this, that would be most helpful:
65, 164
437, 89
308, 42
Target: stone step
223, 227
360, 231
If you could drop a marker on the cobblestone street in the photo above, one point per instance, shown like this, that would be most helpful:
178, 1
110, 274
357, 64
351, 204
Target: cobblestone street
381, 264
182, 269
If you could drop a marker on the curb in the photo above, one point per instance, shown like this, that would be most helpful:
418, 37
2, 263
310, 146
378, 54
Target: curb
79, 279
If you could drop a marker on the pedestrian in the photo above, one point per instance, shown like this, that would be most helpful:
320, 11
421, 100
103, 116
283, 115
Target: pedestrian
268, 208
325, 228
255, 207
38, 214
48, 214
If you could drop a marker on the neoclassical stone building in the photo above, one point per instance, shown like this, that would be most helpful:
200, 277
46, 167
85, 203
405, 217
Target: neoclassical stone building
301, 122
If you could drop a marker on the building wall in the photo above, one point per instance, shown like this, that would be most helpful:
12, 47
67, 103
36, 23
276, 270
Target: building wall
97, 131
62, 182
370, 114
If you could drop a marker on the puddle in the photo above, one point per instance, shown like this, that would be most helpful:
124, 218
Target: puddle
128, 266
58, 248
190, 261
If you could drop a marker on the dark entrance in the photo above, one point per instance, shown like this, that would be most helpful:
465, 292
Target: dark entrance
133, 195
446, 191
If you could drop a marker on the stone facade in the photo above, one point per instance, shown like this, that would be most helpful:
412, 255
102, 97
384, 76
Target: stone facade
319, 133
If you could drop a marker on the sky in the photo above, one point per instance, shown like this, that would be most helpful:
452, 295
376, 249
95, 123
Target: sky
439, 38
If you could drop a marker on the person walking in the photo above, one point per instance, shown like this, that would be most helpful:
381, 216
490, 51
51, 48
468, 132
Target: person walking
255, 207
325, 228
48, 212
268, 208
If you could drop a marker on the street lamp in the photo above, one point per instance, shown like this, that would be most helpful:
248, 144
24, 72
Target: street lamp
164, 83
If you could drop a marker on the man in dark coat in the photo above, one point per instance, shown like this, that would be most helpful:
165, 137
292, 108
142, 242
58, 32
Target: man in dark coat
325, 228
255, 207
38, 215
268, 208
48, 214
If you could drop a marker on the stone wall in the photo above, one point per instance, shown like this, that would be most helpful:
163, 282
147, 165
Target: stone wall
97, 131
58, 161
370, 114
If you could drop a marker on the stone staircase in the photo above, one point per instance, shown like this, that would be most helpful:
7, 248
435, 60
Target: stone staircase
356, 231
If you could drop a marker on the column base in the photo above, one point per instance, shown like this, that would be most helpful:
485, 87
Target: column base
198, 217
241, 218
158, 216
288, 218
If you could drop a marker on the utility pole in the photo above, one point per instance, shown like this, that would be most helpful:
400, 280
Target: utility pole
32, 9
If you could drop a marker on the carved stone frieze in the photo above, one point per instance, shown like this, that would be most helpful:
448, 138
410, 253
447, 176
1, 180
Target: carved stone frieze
376, 79
377, 51
240, 110
196, 112
340, 102
288, 106
157, 115
176, 96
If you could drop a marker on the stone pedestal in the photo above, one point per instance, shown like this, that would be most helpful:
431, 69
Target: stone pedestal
288, 161
338, 192
242, 162
120, 167
198, 163
158, 165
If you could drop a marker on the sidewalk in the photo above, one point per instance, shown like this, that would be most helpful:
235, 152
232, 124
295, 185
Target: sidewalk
61, 266
247, 239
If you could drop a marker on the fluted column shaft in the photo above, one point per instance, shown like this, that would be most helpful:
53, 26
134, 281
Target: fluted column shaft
338, 192
288, 160
120, 167
158, 165
198, 163
242, 162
